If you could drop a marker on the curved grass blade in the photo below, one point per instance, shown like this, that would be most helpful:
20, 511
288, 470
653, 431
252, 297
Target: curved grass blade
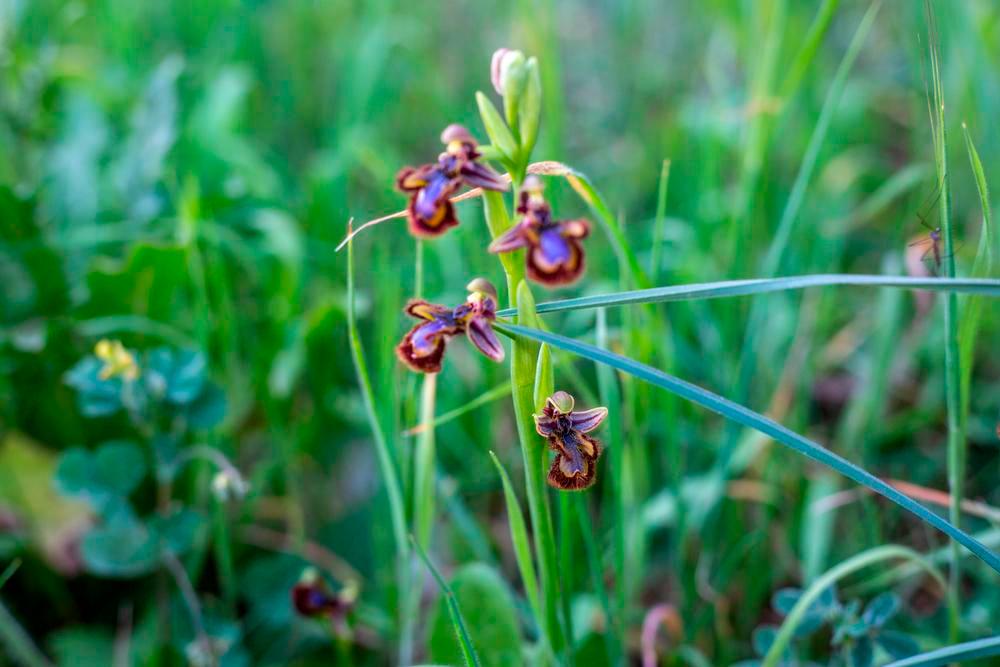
759, 422
519, 537
730, 288
834, 574
468, 651
981, 648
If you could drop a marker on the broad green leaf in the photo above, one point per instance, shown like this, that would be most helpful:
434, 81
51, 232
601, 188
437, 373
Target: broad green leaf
122, 549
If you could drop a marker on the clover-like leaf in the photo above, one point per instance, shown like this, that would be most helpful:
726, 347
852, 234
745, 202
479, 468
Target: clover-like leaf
863, 652
883, 607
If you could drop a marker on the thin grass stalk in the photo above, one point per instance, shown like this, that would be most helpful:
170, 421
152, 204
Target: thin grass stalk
454, 611
952, 357
387, 468
519, 538
18, 642
655, 256
610, 396
835, 574
984, 266
612, 642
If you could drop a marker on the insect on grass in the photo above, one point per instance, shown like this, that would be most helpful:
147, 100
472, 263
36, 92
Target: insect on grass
933, 240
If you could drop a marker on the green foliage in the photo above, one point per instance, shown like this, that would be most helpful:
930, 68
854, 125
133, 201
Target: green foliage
179, 180
488, 609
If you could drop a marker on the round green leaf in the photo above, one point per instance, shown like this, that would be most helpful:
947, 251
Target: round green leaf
122, 549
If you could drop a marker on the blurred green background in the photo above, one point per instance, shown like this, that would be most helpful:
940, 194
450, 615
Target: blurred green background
179, 173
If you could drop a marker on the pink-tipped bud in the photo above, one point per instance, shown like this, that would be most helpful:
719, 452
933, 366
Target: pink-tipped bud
504, 64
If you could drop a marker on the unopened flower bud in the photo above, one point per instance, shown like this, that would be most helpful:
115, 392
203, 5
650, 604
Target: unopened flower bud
509, 75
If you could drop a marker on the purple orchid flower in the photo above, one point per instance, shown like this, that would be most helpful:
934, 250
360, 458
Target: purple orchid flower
574, 467
422, 348
554, 254
430, 212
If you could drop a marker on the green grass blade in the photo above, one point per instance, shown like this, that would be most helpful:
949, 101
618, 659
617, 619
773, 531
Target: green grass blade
9, 572
519, 538
807, 52
424, 465
731, 288
386, 465
983, 267
661, 211
589, 194
488, 396
981, 648
759, 422
783, 233
829, 578
454, 611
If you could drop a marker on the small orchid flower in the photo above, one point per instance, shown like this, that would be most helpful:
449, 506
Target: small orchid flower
430, 212
566, 431
422, 348
313, 599
555, 256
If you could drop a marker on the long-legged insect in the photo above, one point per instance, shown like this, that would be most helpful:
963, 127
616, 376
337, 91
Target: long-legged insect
933, 239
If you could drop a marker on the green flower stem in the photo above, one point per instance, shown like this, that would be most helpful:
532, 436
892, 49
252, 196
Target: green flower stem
522, 368
952, 357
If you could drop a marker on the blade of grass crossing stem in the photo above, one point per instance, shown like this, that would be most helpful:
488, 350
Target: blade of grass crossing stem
519, 538
454, 611
980, 648
658, 231
983, 267
952, 360
757, 421
390, 477
733, 288
829, 578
